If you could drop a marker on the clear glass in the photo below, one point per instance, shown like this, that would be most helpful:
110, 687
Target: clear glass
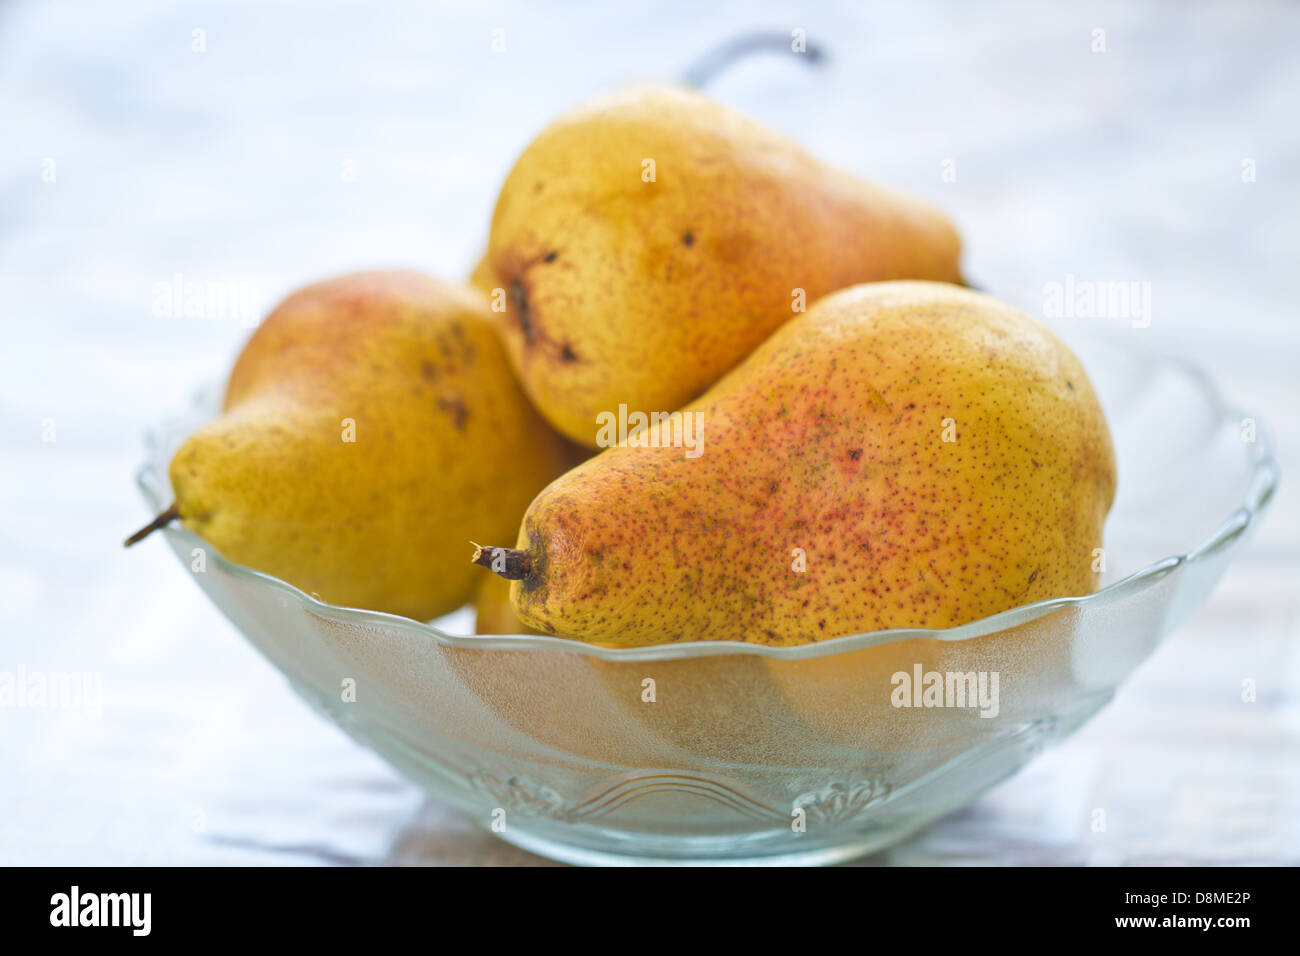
759, 754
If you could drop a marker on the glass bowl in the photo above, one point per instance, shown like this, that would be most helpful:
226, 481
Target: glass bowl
732, 752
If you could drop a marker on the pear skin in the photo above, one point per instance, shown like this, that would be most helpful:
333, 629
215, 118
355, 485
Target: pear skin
371, 427
649, 240
493, 612
904, 454
482, 277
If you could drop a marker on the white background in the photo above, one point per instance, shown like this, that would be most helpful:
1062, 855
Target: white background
226, 166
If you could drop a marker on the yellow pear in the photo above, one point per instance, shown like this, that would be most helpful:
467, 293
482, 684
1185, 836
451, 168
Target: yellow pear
481, 277
905, 454
646, 242
371, 426
493, 613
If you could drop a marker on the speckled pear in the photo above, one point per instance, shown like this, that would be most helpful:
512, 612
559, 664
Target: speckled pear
371, 427
647, 241
905, 454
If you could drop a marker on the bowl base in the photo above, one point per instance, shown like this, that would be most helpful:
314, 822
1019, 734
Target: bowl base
728, 852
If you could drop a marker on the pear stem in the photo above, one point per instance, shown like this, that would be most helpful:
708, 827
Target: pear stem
700, 73
167, 517
513, 564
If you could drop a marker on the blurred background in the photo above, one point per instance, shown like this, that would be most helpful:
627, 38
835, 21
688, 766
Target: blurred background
251, 147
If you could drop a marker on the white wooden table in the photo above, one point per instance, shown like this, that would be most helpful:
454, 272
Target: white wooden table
282, 143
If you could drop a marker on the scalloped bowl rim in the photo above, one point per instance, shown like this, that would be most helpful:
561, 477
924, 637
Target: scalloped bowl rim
1262, 485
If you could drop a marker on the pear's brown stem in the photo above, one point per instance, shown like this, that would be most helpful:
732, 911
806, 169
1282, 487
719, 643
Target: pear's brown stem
703, 70
167, 517
513, 564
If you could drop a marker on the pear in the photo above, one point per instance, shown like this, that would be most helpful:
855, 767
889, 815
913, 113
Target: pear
493, 613
481, 276
905, 454
646, 242
371, 426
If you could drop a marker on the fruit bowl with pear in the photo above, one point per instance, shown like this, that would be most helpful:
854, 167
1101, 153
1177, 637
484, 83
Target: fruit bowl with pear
701, 654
